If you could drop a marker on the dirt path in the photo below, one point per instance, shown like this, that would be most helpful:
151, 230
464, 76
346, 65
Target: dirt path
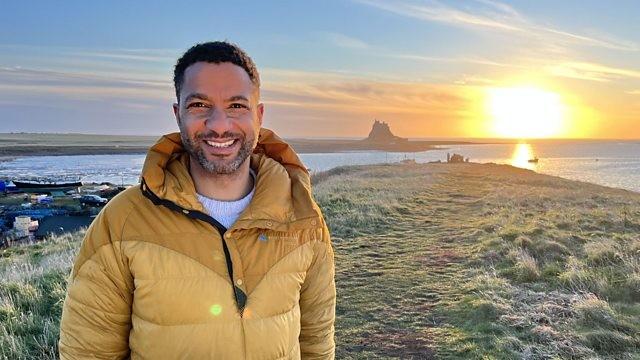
412, 256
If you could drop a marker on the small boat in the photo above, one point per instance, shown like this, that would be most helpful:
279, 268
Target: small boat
45, 184
534, 160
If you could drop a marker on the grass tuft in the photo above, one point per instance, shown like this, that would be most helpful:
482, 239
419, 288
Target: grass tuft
525, 268
610, 342
593, 312
603, 252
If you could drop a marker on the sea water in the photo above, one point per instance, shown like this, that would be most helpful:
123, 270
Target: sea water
609, 163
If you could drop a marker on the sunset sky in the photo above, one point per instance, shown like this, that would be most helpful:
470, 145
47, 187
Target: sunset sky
478, 68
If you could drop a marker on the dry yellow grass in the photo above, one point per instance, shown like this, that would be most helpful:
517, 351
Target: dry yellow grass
481, 261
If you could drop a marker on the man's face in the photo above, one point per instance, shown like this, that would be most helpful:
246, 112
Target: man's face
218, 115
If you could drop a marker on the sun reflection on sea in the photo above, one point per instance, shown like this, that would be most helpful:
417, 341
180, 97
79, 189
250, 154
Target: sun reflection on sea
522, 155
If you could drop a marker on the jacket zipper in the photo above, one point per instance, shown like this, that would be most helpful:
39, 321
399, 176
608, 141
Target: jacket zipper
239, 295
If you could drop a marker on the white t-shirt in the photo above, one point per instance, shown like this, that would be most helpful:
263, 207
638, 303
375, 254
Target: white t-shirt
227, 212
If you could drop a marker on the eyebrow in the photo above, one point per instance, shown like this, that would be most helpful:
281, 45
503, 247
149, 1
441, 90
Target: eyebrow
201, 96
238, 97
196, 96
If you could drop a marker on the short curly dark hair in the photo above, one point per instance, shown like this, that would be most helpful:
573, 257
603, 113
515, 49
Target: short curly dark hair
215, 52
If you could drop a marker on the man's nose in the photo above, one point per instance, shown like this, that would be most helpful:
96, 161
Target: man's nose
218, 121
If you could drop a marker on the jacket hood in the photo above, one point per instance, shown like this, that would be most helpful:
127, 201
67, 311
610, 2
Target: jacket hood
282, 198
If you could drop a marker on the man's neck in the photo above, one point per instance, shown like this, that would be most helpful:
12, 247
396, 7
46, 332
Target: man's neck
223, 187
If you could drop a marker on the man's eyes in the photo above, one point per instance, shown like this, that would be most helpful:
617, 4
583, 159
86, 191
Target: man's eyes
233, 108
196, 105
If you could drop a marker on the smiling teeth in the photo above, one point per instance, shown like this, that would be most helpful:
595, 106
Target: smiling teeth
220, 145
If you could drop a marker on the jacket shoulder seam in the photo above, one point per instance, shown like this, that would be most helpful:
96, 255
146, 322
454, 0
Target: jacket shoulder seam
134, 206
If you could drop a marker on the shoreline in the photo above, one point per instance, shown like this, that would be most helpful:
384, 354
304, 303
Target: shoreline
7, 153
14, 151
348, 168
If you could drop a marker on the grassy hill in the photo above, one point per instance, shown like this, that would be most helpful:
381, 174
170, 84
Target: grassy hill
433, 261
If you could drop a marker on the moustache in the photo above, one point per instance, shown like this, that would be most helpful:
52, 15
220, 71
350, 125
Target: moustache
215, 135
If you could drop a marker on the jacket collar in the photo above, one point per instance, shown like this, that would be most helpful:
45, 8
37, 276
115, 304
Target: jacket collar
282, 199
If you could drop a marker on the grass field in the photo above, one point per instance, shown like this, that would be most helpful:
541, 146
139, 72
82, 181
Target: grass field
439, 261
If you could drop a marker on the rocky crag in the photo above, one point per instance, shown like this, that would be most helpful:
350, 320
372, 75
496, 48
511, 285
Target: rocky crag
381, 134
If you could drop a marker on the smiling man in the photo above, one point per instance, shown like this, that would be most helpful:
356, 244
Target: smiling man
221, 252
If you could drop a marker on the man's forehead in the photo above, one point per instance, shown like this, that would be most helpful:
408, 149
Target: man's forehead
219, 76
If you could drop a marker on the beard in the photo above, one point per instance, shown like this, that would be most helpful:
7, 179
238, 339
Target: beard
217, 166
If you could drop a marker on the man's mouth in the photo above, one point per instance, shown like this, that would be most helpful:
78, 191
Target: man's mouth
222, 147
217, 144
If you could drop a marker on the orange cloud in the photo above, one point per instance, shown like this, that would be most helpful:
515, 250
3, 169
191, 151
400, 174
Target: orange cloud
350, 104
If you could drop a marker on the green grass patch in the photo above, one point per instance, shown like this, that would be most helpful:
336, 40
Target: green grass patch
30, 316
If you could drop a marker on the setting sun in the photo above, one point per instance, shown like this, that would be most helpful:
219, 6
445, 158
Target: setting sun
525, 112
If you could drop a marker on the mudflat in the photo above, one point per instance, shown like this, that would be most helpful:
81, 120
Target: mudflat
27, 144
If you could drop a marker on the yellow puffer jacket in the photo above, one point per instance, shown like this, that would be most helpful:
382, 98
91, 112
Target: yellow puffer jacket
157, 278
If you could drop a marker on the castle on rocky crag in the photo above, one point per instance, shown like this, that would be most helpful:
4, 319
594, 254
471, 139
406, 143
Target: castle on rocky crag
381, 134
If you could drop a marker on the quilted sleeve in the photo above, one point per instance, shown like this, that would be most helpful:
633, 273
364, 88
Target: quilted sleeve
96, 316
318, 304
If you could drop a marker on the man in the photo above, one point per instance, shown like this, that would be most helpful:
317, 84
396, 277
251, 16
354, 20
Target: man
221, 253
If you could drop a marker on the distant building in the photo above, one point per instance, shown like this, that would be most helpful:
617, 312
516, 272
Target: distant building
456, 158
57, 225
23, 225
381, 134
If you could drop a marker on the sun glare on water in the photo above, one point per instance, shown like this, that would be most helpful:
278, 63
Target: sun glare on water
522, 156
525, 112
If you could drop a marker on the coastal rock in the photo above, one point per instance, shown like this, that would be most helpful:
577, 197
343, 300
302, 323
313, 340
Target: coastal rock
381, 133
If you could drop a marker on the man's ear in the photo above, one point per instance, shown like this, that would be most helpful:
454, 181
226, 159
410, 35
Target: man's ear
176, 109
260, 113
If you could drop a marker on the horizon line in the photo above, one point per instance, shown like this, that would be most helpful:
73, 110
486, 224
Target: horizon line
340, 137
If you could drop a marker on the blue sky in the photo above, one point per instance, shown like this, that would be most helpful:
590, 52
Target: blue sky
328, 68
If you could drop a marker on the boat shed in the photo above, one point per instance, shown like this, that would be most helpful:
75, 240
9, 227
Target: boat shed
57, 225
